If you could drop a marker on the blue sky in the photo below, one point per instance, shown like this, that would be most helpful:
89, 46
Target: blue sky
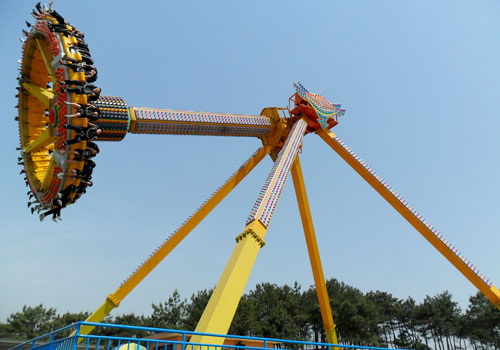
420, 82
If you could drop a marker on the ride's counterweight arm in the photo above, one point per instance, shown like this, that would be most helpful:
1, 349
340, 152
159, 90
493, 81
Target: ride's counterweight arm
312, 248
114, 299
434, 237
221, 307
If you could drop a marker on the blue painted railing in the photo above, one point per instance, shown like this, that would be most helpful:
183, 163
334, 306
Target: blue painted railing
69, 338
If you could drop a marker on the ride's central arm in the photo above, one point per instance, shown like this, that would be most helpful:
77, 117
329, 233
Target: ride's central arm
166, 121
116, 120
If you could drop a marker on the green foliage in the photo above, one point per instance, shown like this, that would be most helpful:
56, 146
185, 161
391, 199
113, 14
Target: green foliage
66, 319
30, 323
194, 309
375, 318
169, 314
355, 315
483, 322
276, 312
244, 319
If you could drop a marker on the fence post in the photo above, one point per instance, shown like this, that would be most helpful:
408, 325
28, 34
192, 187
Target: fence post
77, 335
51, 341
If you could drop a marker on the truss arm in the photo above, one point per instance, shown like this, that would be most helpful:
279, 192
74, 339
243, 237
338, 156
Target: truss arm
167, 121
114, 299
221, 307
312, 248
413, 217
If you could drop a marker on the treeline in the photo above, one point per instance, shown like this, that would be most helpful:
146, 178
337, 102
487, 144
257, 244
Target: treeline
287, 312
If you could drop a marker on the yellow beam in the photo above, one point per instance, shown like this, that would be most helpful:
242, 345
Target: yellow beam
490, 291
43, 95
191, 223
42, 140
223, 303
47, 57
98, 316
312, 248
133, 119
47, 180
114, 299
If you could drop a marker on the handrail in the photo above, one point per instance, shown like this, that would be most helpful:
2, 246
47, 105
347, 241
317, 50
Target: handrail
183, 343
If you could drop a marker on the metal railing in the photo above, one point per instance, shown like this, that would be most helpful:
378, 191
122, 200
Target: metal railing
147, 338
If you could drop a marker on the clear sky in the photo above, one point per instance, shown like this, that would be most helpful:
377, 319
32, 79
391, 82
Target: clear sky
420, 82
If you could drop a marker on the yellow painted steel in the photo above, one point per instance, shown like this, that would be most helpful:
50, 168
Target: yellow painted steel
97, 316
312, 248
114, 299
280, 128
47, 57
48, 177
41, 141
492, 293
133, 119
222, 305
45, 96
34, 99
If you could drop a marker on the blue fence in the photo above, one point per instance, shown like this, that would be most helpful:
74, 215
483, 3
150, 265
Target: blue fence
147, 338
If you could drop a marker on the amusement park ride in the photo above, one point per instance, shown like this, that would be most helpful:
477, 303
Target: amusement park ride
56, 70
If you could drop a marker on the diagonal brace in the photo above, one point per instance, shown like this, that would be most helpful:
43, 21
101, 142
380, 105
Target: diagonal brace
45, 96
114, 299
433, 236
41, 141
312, 248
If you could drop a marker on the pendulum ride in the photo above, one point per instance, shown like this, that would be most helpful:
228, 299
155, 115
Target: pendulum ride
55, 82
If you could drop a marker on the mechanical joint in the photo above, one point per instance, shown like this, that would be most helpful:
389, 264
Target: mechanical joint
113, 300
260, 241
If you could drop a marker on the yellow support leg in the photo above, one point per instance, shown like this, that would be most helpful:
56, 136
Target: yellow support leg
312, 248
99, 314
222, 306
114, 299
422, 226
